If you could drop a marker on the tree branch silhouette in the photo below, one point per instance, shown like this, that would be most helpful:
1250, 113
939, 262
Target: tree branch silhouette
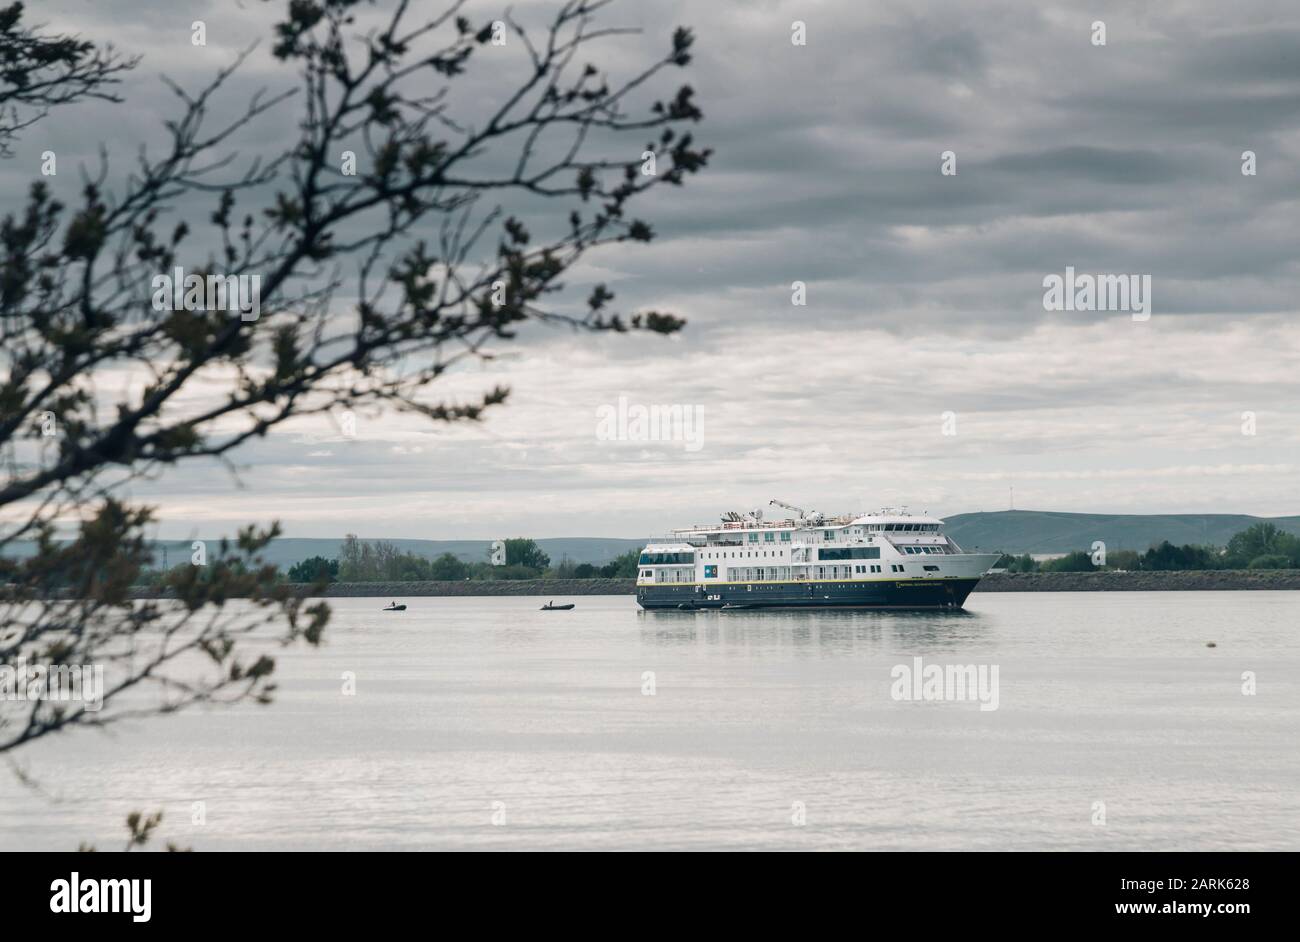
355, 286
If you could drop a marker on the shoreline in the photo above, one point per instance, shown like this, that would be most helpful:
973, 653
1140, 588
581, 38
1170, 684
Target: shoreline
1174, 581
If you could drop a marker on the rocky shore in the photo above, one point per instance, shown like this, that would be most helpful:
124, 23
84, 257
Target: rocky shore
1188, 581
997, 582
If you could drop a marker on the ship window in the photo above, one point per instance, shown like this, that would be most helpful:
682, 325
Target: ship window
785, 537
666, 559
850, 552
753, 538
931, 568
769, 537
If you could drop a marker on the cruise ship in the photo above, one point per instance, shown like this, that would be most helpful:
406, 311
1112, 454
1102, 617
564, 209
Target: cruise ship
887, 559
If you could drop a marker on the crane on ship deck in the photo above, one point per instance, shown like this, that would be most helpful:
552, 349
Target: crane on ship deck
804, 515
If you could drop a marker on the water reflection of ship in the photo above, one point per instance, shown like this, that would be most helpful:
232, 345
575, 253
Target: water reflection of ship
822, 629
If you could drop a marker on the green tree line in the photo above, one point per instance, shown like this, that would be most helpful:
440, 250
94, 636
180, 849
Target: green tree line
1261, 546
381, 561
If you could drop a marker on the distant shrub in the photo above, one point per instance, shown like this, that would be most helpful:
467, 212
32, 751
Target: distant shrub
1025, 563
623, 566
1078, 561
315, 569
447, 568
1123, 559
1166, 557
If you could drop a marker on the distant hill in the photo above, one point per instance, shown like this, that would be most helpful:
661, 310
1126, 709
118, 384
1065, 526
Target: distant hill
1011, 531
1040, 531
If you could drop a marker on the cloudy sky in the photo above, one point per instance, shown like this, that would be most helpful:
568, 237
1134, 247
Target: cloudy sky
924, 291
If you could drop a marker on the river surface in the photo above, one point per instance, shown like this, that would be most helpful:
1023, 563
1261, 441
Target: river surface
482, 723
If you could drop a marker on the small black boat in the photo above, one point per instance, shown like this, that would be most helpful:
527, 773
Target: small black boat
394, 608
552, 607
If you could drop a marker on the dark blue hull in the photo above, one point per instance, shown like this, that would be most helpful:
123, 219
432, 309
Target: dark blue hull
903, 593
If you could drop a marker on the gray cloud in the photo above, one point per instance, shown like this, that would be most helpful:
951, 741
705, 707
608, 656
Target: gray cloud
924, 291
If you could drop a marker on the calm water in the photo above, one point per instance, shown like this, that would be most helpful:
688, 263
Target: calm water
462, 703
